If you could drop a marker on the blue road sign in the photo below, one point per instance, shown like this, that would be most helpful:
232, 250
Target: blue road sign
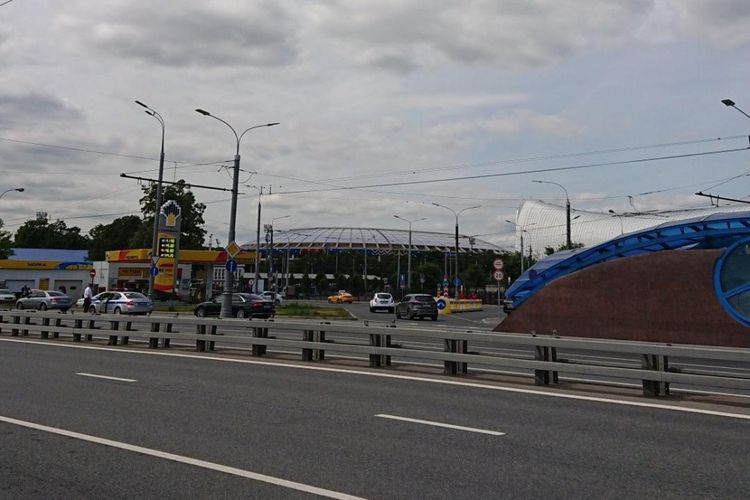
402, 281
456, 281
440, 304
153, 271
231, 265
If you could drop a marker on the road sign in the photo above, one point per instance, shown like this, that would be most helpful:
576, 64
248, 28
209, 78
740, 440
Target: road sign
231, 265
421, 278
92, 273
233, 249
498, 275
497, 264
153, 271
402, 281
456, 281
440, 304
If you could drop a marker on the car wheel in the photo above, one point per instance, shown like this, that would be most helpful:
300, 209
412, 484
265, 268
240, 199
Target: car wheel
410, 314
92, 309
200, 312
372, 309
390, 310
118, 310
330, 301
19, 305
240, 313
398, 314
43, 307
434, 318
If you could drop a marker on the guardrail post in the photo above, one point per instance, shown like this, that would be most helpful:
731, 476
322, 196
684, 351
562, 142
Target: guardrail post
153, 342
45, 333
128, 327
307, 336
200, 345
113, 325
459, 347
541, 353
92, 326
658, 363
380, 340
165, 340
56, 333
211, 331
15, 331
77, 325
261, 333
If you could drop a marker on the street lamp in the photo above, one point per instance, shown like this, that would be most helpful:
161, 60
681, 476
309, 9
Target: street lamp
20, 190
730, 103
568, 242
523, 230
226, 304
408, 265
155, 234
270, 253
456, 214
619, 216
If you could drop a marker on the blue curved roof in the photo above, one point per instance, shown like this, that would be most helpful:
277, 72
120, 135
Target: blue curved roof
717, 230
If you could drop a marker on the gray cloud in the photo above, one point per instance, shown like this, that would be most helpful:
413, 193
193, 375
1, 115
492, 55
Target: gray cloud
177, 34
518, 34
724, 22
20, 107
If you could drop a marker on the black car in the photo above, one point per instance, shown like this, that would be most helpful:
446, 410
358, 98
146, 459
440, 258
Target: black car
244, 305
417, 305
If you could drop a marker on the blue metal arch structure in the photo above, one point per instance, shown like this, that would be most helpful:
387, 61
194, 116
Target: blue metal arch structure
717, 230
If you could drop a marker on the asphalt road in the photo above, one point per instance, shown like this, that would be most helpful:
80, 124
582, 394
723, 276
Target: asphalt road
211, 427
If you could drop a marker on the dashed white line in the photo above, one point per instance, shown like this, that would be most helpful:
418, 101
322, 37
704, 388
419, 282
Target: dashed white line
440, 424
106, 377
184, 460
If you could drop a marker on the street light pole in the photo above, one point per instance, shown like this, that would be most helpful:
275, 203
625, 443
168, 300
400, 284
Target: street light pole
20, 190
568, 242
270, 255
456, 214
619, 216
155, 234
523, 230
226, 304
408, 265
730, 103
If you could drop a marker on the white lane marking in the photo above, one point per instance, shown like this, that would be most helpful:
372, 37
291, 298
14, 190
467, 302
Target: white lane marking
118, 379
440, 424
183, 459
399, 377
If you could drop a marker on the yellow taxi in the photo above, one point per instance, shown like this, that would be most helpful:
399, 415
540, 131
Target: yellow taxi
341, 297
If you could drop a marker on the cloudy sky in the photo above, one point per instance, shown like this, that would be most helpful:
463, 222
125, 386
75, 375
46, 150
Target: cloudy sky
379, 103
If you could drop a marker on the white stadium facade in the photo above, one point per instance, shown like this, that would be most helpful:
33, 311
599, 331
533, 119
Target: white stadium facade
540, 225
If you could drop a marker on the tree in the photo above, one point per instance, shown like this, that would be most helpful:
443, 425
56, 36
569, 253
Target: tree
551, 250
192, 234
114, 236
6, 242
39, 233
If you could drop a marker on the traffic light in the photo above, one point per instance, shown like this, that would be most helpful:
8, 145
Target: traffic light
167, 248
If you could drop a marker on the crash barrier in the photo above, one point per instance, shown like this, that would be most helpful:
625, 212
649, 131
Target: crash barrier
382, 343
447, 305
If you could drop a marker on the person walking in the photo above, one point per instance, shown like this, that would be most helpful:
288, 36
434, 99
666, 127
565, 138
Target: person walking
88, 294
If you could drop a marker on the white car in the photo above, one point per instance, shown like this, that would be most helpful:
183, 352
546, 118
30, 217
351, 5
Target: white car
7, 297
382, 301
268, 294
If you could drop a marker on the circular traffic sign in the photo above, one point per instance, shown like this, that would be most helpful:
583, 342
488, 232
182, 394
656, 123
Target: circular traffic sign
497, 264
498, 275
231, 265
440, 304
154, 271
92, 273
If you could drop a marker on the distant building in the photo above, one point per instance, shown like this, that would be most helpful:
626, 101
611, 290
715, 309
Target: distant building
47, 269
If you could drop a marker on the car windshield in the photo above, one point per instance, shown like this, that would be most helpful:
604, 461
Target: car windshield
55, 294
5, 291
383, 295
423, 298
134, 295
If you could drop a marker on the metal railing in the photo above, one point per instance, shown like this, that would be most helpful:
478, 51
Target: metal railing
382, 343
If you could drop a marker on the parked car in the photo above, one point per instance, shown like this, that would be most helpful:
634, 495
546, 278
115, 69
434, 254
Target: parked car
44, 299
341, 297
417, 305
278, 298
120, 303
382, 301
7, 297
244, 305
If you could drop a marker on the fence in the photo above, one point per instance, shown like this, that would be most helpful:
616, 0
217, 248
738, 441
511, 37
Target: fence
380, 343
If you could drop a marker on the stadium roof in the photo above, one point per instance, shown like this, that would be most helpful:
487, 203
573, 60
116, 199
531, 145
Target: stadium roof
717, 230
375, 240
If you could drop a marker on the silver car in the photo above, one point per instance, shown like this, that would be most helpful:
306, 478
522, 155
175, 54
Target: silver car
7, 297
121, 303
44, 299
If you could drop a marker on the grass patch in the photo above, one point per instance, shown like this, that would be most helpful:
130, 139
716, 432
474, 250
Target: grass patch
306, 310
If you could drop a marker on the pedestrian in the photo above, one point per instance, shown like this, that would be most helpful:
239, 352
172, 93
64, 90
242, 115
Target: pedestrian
88, 294
24, 291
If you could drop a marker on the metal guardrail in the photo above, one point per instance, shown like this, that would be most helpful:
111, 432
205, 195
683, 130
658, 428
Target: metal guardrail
378, 341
